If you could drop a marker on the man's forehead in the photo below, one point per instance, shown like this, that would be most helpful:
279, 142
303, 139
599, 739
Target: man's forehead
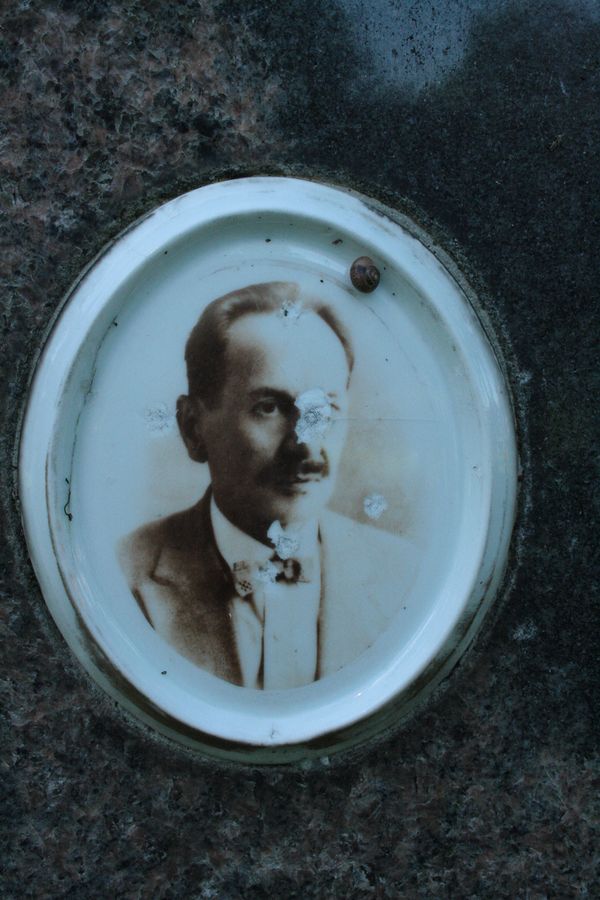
262, 325
265, 344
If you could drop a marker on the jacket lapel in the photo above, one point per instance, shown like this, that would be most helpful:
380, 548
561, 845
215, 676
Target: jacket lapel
191, 573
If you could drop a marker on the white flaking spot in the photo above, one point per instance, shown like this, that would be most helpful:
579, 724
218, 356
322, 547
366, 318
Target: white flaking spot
286, 543
290, 311
315, 415
375, 505
159, 419
267, 573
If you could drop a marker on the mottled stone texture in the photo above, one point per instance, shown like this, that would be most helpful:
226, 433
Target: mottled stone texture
110, 108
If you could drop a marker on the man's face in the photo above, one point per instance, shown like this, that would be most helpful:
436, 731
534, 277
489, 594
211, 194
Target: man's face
275, 437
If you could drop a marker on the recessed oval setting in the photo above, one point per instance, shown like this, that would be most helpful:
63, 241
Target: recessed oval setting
268, 508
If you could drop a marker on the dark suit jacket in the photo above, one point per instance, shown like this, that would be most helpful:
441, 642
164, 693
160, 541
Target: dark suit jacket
183, 587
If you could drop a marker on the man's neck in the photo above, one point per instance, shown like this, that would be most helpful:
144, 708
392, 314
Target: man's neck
235, 544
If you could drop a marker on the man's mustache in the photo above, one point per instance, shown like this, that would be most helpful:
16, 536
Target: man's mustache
289, 470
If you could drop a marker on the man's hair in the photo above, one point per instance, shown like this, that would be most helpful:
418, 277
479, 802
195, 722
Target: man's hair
205, 351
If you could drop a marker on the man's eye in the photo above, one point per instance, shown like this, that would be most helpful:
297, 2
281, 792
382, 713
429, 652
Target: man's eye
266, 407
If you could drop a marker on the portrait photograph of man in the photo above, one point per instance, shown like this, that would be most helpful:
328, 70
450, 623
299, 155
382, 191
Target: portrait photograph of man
261, 583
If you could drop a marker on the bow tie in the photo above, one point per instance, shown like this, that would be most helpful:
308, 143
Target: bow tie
248, 577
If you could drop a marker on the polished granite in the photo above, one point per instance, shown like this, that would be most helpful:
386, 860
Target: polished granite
482, 120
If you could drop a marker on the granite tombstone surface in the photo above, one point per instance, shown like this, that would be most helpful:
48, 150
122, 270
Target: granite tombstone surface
479, 120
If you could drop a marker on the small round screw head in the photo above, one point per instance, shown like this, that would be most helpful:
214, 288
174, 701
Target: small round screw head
364, 274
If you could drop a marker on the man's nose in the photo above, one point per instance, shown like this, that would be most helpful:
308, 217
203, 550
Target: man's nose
311, 447
290, 440
313, 420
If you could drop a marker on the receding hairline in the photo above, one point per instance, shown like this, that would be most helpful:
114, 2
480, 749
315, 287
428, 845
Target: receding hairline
273, 315
207, 343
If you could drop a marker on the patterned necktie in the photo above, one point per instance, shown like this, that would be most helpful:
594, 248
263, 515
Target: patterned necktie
275, 621
248, 577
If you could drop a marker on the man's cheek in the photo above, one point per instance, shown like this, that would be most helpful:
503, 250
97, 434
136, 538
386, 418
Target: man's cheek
337, 439
262, 438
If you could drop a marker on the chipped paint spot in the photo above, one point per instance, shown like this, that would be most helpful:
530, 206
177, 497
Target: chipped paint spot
290, 311
315, 415
286, 543
159, 419
267, 573
375, 505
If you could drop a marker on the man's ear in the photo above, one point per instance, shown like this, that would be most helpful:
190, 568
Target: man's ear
190, 418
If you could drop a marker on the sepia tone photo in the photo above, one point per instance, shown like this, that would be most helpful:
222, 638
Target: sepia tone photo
260, 583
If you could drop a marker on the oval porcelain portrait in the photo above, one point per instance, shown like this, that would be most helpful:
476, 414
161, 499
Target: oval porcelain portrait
265, 499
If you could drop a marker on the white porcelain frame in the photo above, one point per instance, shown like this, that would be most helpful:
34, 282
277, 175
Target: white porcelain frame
271, 735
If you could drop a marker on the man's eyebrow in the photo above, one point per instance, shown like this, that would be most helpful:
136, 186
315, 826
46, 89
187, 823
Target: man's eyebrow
266, 391
281, 396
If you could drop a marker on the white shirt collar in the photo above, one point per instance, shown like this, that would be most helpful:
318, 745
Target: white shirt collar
236, 546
